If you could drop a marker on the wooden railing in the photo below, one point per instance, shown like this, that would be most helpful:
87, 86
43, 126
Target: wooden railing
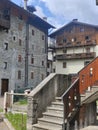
71, 99
88, 76
75, 56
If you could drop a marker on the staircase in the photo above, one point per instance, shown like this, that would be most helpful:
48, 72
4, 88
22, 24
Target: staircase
90, 95
53, 117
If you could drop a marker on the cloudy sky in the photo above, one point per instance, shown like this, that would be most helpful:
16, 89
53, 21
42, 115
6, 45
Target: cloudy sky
60, 12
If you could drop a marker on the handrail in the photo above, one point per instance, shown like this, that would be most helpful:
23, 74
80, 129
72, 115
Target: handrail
71, 86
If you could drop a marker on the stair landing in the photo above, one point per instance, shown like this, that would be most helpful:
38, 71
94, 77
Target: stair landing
90, 128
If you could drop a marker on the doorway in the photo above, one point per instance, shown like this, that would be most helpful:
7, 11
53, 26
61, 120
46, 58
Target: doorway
4, 86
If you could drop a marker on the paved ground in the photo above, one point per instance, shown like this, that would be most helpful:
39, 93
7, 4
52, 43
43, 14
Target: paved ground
3, 126
90, 128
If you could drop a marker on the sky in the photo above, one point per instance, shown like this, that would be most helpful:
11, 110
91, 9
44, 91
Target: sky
61, 12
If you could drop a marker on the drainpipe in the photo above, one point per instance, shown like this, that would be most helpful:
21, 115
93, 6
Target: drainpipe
26, 47
26, 54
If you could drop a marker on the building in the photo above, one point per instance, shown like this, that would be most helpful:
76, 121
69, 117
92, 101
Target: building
76, 45
23, 47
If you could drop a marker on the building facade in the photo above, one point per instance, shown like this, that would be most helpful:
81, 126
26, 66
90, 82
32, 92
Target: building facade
76, 45
23, 47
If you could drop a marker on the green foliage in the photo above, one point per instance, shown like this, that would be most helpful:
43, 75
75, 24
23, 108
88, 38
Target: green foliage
1, 110
18, 121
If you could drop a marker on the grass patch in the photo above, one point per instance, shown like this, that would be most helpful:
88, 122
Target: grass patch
1, 110
18, 120
21, 102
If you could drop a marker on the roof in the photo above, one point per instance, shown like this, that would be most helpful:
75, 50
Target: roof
73, 22
16, 10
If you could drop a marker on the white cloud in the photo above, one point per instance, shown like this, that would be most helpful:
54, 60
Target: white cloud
39, 11
66, 10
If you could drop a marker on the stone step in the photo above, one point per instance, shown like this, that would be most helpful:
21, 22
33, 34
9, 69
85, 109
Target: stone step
43, 127
55, 109
58, 99
57, 104
53, 116
50, 122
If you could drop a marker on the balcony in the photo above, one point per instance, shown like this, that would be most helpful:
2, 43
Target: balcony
75, 56
75, 44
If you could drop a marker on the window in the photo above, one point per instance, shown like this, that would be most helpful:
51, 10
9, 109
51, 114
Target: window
88, 50
42, 76
5, 65
65, 50
20, 26
19, 58
64, 40
5, 46
19, 74
42, 63
86, 63
20, 17
32, 32
32, 75
32, 60
48, 65
64, 64
43, 37
87, 37
14, 38
81, 29
20, 41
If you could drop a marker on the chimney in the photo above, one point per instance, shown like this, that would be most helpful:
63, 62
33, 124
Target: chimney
25, 4
75, 20
45, 19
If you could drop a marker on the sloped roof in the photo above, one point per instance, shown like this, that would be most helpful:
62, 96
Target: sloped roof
30, 16
73, 22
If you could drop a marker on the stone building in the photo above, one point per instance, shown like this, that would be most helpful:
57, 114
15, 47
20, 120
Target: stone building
23, 47
76, 44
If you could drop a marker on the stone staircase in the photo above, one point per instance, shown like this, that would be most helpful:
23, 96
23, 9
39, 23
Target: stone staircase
90, 95
53, 117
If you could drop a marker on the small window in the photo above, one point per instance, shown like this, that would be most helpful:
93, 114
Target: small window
64, 40
19, 58
5, 65
42, 76
20, 17
43, 37
88, 50
64, 50
32, 75
20, 41
20, 26
87, 37
14, 38
81, 29
32, 32
5, 46
86, 63
64, 64
19, 74
32, 60
48, 65
42, 63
